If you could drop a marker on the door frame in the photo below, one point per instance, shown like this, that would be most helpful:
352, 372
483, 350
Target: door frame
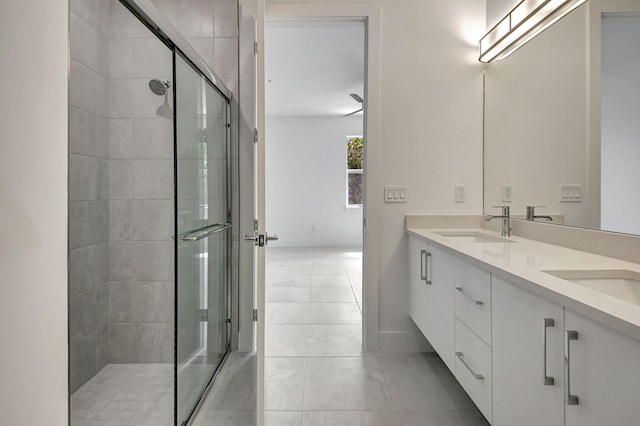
372, 15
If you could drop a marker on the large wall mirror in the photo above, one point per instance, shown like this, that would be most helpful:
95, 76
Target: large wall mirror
562, 122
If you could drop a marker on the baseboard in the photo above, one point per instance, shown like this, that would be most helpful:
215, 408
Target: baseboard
402, 342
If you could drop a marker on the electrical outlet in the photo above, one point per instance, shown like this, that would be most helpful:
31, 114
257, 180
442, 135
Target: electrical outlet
507, 192
460, 193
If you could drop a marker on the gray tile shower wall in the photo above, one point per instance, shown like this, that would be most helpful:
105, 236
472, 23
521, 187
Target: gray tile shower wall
140, 192
88, 192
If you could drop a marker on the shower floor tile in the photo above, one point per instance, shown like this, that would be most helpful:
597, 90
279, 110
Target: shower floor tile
125, 394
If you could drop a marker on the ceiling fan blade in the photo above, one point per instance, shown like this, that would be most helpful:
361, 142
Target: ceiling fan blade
356, 97
354, 112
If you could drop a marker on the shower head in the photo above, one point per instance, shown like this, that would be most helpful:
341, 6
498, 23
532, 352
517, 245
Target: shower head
159, 87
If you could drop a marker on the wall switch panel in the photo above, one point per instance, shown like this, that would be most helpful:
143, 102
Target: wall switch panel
460, 190
506, 192
570, 193
395, 194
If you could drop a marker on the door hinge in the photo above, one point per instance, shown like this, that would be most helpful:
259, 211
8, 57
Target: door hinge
255, 315
255, 135
255, 47
203, 315
364, 222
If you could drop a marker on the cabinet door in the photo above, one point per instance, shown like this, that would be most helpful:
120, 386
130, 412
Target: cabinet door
440, 306
520, 395
604, 367
419, 288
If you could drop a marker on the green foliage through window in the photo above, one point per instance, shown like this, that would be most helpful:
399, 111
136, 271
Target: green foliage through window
355, 161
355, 153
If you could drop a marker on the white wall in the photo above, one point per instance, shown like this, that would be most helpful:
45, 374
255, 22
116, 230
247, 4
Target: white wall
306, 181
620, 125
33, 211
430, 132
498, 9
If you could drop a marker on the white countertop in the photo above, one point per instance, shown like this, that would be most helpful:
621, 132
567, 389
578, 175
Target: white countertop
522, 261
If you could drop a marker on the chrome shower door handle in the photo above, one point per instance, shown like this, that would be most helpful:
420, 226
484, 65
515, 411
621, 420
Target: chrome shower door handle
546, 323
569, 336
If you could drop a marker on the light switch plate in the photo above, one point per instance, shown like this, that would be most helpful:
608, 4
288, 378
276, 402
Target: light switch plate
395, 194
570, 193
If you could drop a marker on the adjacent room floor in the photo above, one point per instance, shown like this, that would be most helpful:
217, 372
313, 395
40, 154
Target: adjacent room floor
315, 371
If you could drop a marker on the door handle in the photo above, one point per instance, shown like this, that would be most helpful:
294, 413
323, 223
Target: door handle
260, 240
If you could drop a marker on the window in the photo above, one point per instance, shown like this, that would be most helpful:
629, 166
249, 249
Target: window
355, 160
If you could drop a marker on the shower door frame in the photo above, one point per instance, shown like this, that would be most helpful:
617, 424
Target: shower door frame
148, 14
195, 408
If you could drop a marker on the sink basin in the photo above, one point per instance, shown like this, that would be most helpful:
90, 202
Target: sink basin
473, 237
621, 284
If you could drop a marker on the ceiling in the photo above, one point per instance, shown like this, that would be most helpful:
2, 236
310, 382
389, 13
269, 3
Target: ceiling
311, 67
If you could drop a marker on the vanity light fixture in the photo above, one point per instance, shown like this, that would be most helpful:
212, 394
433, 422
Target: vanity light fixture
528, 19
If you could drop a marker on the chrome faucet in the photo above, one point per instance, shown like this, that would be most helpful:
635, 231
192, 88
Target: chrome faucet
506, 220
531, 214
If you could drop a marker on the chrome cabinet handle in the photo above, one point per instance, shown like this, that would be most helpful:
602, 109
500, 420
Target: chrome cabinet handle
477, 376
546, 323
475, 302
425, 256
569, 336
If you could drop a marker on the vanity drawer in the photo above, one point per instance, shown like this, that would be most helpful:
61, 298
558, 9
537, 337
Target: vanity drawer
472, 299
473, 368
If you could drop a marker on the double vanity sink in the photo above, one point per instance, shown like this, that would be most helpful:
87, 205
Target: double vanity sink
536, 333
619, 283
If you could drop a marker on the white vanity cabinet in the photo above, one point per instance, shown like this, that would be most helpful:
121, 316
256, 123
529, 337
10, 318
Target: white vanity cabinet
472, 307
604, 374
525, 359
528, 363
431, 308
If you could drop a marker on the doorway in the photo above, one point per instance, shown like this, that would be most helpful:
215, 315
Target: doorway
315, 99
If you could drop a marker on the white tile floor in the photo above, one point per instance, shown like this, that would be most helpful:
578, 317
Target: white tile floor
126, 395
315, 371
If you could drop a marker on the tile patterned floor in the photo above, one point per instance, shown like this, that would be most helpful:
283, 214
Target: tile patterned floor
126, 395
315, 371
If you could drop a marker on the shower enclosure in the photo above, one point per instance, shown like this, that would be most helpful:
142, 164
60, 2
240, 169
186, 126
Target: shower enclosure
149, 220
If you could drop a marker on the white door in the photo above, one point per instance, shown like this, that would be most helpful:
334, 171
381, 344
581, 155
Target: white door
604, 374
526, 390
261, 232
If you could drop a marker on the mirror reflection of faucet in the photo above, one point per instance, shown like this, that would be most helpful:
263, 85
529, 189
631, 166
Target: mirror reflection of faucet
506, 220
531, 214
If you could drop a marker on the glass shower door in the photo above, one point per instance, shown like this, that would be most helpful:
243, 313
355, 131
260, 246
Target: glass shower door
203, 232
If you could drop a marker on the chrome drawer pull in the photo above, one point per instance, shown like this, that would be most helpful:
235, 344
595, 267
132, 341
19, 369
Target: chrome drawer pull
477, 376
546, 323
569, 336
476, 302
